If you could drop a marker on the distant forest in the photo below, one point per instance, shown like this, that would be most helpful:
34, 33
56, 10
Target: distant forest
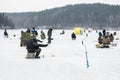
96, 16
5, 22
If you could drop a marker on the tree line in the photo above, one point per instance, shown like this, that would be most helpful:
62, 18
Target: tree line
5, 22
85, 15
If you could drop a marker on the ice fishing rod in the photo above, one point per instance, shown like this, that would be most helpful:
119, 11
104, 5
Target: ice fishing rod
87, 62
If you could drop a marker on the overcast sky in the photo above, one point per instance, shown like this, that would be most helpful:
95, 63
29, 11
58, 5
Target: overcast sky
38, 5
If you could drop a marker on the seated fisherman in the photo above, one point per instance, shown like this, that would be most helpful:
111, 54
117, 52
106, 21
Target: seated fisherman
33, 47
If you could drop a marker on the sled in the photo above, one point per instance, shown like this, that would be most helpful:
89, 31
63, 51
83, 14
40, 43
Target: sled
101, 46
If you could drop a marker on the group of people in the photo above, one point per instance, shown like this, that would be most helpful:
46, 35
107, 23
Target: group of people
29, 39
27, 35
105, 38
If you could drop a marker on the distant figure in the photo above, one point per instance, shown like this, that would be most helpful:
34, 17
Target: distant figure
28, 30
24, 37
5, 33
42, 35
86, 34
34, 31
49, 33
114, 33
84, 31
107, 34
33, 47
100, 39
111, 37
73, 36
100, 34
104, 32
63, 32
106, 42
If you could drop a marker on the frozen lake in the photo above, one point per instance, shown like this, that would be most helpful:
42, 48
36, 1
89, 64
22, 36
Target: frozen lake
64, 59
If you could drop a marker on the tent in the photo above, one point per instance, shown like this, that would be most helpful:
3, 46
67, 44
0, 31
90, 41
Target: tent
78, 31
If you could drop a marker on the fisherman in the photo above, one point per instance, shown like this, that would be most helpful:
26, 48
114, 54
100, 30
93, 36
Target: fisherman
49, 33
106, 42
42, 35
73, 36
34, 31
33, 46
5, 33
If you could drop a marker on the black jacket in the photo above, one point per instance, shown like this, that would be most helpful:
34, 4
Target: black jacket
33, 45
49, 32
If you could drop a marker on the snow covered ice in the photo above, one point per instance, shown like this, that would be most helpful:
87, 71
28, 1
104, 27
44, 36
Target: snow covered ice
64, 58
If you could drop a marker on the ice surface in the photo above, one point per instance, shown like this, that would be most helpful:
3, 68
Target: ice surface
64, 58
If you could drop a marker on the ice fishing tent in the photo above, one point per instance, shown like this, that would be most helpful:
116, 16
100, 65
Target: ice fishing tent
78, 31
